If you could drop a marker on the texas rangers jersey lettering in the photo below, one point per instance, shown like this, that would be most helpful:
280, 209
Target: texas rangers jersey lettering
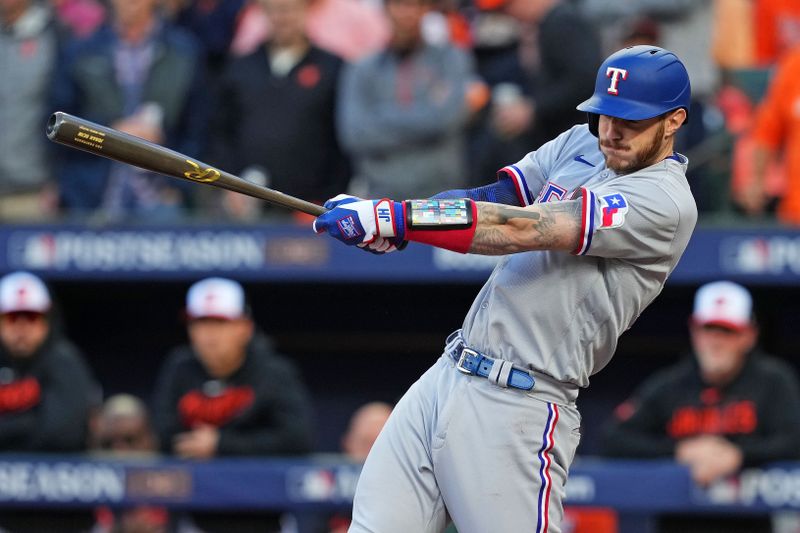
551, 192
634, 229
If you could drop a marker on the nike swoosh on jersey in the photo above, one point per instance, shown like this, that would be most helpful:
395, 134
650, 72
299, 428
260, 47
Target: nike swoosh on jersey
579, 158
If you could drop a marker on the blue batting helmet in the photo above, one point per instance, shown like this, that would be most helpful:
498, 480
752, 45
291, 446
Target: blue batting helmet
637, 83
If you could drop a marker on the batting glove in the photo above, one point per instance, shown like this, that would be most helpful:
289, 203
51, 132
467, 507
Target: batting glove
377, 226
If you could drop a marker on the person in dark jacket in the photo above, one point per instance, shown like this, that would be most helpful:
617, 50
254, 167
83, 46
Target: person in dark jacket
534, 101
46, 387
47, 393
728, 406
227, 393
142, 76
275, 111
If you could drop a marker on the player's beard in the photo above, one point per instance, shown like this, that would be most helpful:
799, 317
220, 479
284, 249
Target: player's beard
645, 156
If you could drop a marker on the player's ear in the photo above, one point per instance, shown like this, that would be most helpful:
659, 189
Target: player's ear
673, 121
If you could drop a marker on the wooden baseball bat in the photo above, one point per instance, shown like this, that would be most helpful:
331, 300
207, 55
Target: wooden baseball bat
107, 142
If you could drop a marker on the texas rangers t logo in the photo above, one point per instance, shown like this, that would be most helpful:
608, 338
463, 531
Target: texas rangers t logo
616, 74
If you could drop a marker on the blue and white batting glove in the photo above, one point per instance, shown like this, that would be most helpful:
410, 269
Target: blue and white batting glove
376, 226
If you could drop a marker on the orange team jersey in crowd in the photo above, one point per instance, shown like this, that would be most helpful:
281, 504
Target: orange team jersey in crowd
778, 127
777, 28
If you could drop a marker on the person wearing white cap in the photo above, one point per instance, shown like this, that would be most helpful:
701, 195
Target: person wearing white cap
46, 387
728, 406
228, 393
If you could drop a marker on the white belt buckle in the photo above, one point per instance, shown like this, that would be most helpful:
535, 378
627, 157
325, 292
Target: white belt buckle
465, 352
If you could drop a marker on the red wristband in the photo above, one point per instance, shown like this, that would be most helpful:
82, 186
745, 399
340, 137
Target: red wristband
458, 240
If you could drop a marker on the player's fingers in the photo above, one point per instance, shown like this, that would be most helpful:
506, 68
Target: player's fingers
340, 199
381, 245
322, 223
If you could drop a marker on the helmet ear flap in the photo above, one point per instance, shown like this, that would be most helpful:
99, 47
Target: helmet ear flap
594, 123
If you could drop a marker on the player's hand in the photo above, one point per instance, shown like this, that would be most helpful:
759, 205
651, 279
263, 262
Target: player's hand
382, 245
375, 226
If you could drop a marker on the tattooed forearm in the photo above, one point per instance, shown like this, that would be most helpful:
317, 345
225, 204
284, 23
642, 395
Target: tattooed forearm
505, 229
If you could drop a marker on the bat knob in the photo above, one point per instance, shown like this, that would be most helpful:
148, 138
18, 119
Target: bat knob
53, 123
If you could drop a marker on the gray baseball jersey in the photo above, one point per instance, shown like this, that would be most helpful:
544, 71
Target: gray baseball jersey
494, 458
561, 314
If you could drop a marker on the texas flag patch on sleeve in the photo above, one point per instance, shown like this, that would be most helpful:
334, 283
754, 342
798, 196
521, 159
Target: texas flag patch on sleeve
613, 209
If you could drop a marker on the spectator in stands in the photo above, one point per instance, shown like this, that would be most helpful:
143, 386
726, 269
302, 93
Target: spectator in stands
141, 76
122, 429
733, 34
777, 29
81, 17
558, 65
46, 392
228, 393
569, 53
351, 29
275, 111
714, 412
213, 22
28, 50
403, 111
364, 427
776, 134
46, 387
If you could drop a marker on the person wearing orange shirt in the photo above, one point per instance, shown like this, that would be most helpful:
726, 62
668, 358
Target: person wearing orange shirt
777, 131
777, 29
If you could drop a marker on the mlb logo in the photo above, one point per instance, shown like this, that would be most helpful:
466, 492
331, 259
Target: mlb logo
349, 228
613, 210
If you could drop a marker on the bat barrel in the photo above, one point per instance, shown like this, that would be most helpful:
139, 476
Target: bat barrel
107, 142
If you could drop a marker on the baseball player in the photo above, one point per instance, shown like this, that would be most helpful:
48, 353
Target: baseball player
590, 226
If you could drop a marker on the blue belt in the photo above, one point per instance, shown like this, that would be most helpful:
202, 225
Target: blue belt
501, 373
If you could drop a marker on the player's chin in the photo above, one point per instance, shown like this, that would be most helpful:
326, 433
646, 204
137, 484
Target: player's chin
622, 165
617, 164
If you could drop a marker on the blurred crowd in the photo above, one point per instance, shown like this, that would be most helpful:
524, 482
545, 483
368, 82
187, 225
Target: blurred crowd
399, 98
225, 393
